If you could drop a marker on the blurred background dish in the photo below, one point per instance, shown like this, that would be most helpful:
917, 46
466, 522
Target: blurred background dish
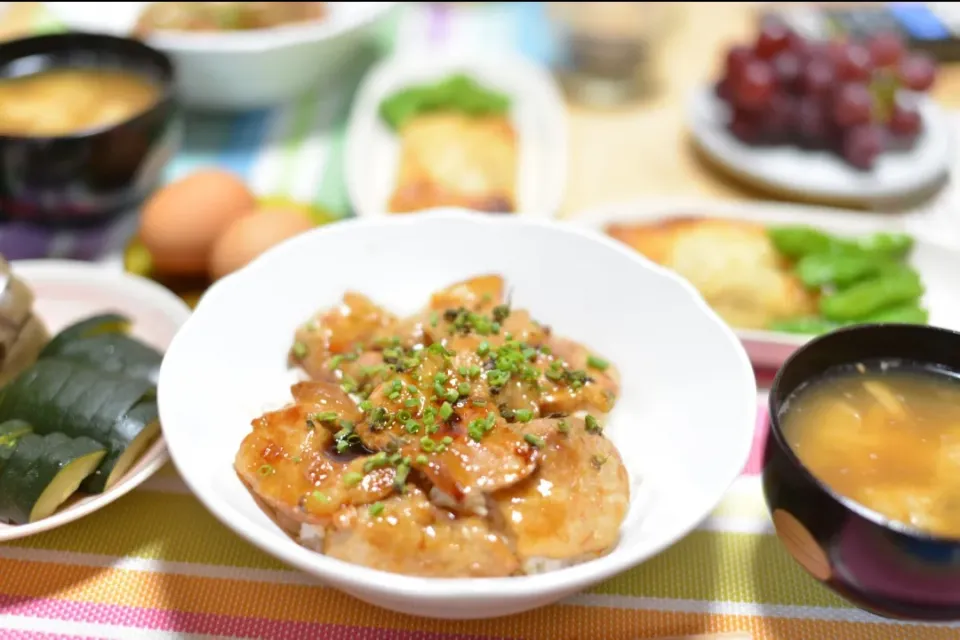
87, 123
842, 120
484, 132
781, 274
228, 68
821, 175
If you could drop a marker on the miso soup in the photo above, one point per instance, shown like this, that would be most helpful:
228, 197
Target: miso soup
886, 438
71, 100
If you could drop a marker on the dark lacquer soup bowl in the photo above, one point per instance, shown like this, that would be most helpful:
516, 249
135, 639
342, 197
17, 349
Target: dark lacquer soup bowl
880, 565
83, 174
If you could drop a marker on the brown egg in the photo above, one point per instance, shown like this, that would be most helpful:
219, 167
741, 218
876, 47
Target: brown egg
251, 235
183, 220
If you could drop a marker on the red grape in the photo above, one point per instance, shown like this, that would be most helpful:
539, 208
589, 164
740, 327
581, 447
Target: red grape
787, 67
817, 77
737, 59
754, 87
773, 39
853, 105
904, 120
918, 72
722, 90
886, 49
745, 126
862, 145
811, 123
854, 64
797, 44
779, 119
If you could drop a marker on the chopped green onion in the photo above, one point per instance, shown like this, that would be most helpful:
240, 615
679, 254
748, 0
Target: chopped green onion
534, 440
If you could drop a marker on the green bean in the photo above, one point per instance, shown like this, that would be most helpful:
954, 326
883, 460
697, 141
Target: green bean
812, 325
838, 269
903, 314
896, 286
796, 241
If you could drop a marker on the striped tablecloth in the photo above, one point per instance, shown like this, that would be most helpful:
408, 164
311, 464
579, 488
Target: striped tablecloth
156, 565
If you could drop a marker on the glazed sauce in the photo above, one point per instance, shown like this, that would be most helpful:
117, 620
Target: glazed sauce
66, 101
888, 439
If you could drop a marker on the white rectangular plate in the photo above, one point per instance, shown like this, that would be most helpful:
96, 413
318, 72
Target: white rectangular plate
937, 264
537, 110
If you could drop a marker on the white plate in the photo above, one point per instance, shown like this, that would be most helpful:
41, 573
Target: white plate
821, 175
245, 69
937, 264
684, 432
66, 291
538, 114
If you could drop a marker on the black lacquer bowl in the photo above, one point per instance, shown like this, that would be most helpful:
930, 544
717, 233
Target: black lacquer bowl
90, 175
879, 565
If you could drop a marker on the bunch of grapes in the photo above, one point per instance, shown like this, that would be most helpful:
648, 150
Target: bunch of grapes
857, 99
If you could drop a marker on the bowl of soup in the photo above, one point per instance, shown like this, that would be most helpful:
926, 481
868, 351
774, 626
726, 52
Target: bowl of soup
862, 467
87, 124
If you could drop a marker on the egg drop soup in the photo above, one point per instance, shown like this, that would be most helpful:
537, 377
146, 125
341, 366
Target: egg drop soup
888, 439
72, 100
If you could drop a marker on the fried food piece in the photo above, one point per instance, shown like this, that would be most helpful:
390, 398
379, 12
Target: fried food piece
454, 159
341, 331
469, 448
409, 535
571, 509
290, 464
732, 263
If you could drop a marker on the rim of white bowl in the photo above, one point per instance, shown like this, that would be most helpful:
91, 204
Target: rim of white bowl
264, 39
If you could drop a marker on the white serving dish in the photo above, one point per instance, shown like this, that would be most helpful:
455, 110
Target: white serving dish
538, 114
820, 175
66, 291
250, 69
684, 433
938, 264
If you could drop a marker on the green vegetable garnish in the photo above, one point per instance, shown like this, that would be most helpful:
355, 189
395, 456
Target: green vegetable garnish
596, 362
454, 93
534, 440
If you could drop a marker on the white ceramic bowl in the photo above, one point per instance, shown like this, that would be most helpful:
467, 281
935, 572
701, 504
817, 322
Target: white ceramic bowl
684, 422
250, 69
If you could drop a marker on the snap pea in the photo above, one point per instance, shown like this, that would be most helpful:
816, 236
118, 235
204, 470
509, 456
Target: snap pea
811, 325
896, 286
837, 269
894, 245
796, 241
903, 314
